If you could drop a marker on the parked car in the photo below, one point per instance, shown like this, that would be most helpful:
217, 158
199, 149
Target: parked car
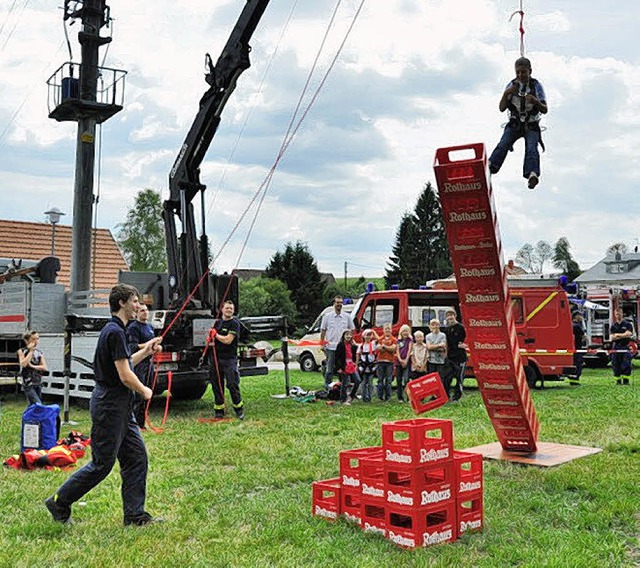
311, 357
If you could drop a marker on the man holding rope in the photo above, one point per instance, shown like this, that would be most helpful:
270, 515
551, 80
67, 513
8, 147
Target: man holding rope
224, 365
114, 431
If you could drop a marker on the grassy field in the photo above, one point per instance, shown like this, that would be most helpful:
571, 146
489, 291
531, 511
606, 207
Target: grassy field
239, 493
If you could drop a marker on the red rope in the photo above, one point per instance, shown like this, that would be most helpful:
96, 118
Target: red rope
521, 28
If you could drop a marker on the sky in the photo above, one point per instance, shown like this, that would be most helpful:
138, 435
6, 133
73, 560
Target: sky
413, 76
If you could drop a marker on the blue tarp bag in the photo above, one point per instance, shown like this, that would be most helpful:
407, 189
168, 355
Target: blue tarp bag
40, 427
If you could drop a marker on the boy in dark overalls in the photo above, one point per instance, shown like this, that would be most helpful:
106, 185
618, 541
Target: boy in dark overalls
114, 431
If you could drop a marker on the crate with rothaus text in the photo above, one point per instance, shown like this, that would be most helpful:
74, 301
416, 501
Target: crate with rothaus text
418, 487
372, 479
418, 441
426, 393
424, 526
469, 512
373, 518
350, 464
468, 473
351, 504
325, 498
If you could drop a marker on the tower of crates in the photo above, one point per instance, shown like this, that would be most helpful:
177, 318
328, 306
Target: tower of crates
414, 489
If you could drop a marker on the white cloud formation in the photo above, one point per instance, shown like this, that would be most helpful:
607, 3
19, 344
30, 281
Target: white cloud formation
415, 75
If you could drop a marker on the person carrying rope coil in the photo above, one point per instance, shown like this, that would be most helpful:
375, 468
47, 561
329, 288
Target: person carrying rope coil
223, 340
526, 101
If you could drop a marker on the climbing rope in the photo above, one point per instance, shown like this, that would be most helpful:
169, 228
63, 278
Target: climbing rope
521, 28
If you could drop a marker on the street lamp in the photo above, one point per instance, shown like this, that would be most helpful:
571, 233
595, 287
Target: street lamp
54, 215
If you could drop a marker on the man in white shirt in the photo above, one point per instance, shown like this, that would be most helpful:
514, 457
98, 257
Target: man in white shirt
331, 329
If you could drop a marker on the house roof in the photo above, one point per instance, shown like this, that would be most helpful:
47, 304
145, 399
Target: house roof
613, 269
32, 242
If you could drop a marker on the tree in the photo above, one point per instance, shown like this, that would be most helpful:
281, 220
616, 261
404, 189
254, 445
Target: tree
533, 259
615, 248
563, 259
266, 297
421, 250
141, 236
297, 268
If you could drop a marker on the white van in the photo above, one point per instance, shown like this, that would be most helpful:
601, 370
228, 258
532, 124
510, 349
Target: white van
311, 357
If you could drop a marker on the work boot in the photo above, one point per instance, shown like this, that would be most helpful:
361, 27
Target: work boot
142, 520
533, 180
240, 413
218, 414
618, 381
625, 381
60, 513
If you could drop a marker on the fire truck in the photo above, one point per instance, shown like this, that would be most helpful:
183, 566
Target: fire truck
183, 302
600, 302
541, 311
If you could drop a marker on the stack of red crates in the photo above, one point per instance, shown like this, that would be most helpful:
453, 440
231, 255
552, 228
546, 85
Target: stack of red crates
415, 489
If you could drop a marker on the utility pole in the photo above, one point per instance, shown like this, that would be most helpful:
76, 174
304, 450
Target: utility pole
89, 95
345, 276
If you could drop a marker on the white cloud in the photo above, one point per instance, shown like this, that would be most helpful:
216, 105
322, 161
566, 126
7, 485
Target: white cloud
415, 75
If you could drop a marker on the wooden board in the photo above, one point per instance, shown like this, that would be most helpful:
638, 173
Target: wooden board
547, 455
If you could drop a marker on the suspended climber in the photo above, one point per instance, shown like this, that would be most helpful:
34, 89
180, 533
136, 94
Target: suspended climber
526, 101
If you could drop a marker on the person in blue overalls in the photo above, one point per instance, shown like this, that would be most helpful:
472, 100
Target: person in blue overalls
114, 431
621, 332
140, 332
525, 99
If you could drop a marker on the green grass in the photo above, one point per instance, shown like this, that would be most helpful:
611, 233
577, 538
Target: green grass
239, 493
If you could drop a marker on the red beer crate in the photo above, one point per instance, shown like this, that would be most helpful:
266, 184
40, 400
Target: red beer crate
469, 513
467, 473
420, 441
373, 518
426, 393
372, 479
350, 464
351, 505
413, 528
423, 486
326, 499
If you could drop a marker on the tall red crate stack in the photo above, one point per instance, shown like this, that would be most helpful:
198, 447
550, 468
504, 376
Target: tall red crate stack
476, 253
414, 489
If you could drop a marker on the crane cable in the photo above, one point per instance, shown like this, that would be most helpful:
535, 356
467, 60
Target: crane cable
289, 138
521, 27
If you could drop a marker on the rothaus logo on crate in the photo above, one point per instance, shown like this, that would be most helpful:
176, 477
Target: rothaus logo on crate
478, 272
437, 537
374, 529
431, 497
477, 322
494, 366
461, 187
399, 499
322, 512
401, 540
425, 456
466, 486
470, 525
372, 491
350, 481
481, 298
352, 518
488, 346
467, 217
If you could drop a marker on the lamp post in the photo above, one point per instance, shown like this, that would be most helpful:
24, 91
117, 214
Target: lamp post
54, 215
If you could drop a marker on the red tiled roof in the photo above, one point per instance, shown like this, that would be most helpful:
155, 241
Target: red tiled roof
32, 241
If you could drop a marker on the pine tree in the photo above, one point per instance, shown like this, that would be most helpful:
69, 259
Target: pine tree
421, 250
563, 259
297, 268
